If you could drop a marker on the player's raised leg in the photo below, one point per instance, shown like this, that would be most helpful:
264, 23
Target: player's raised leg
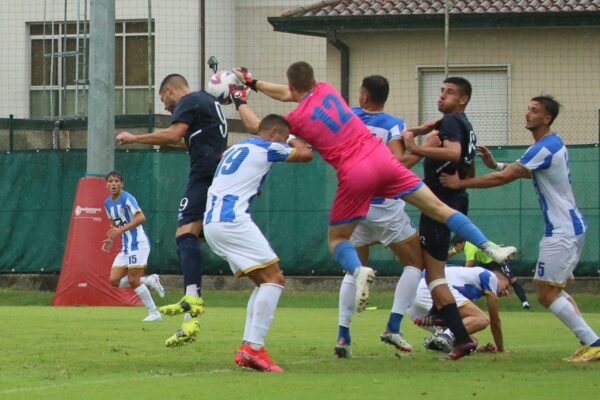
424, 199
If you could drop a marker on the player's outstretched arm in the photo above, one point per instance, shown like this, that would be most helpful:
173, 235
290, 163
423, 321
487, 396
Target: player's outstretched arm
426, 127
302, 154
495, 323
274, 90
488, 158
166, 137
510, 173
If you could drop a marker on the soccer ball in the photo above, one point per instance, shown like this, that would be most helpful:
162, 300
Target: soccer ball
220, 85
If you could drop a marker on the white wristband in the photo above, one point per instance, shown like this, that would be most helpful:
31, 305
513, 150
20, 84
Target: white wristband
290, 138
499, 166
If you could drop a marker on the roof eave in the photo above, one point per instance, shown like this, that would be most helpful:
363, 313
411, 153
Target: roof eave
320, 26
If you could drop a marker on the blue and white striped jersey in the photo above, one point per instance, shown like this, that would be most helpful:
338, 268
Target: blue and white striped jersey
548, 162
473, 282
239, 176
122, 211
383, 125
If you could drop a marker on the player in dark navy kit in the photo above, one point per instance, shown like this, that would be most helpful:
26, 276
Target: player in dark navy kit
198, 124
457, 153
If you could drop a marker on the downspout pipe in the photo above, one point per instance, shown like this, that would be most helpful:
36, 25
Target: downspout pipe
345, 62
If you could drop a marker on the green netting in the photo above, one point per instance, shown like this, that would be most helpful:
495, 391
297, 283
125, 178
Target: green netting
38, 190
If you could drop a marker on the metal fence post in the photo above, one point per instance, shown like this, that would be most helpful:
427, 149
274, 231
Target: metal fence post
11, 132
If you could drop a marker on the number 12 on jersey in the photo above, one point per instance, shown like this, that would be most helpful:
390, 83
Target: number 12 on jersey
342, 114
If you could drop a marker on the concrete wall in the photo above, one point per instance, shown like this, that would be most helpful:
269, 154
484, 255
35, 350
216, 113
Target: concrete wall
48, 282
562, 62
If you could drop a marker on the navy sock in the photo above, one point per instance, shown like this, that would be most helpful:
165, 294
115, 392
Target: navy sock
393, 324
520, 292
344, 333
190, 260
345, 254
449, 313
596, 343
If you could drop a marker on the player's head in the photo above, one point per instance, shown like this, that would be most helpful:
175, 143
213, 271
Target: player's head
503, 281
171, 90
374, 90
541, 112
457, 243
114, 182
301, 79
454, 95
274, 128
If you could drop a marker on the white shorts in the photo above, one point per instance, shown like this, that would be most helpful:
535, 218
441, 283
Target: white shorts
241, 244
132, 259
423, 302
558, 259
386, 223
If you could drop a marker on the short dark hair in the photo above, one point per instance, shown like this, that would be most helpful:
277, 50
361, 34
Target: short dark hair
301, 76
463, 85
456, 240
175, 80
378, 88
551, 106
116, 174
272, 120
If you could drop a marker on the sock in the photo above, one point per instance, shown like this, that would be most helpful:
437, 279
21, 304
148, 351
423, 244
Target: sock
190, 260
345, 254
393, 324
124, 282
520, 292
346, 306
344, 333
449, 313
596, 343
249, 311
406, 291
192, 290
564, 310
460, 224
265, 304
146, 297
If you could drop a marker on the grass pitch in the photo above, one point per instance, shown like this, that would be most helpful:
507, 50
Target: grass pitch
108, 353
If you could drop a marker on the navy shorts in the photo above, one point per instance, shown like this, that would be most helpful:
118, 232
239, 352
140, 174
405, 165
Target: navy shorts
435, 236
193, 203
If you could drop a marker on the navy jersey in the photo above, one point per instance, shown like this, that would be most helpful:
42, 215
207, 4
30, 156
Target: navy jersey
455, 128
206, 136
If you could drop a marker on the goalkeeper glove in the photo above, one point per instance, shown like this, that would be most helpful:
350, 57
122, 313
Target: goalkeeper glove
245, 77
239, 95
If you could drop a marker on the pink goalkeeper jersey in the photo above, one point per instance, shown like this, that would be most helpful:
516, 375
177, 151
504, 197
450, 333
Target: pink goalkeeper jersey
324, 120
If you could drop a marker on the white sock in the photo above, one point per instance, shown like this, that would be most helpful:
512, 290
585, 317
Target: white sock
346, 302
249, 312
124, 282
265, 305
146, 297
191, 290
565, 311
406, 289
